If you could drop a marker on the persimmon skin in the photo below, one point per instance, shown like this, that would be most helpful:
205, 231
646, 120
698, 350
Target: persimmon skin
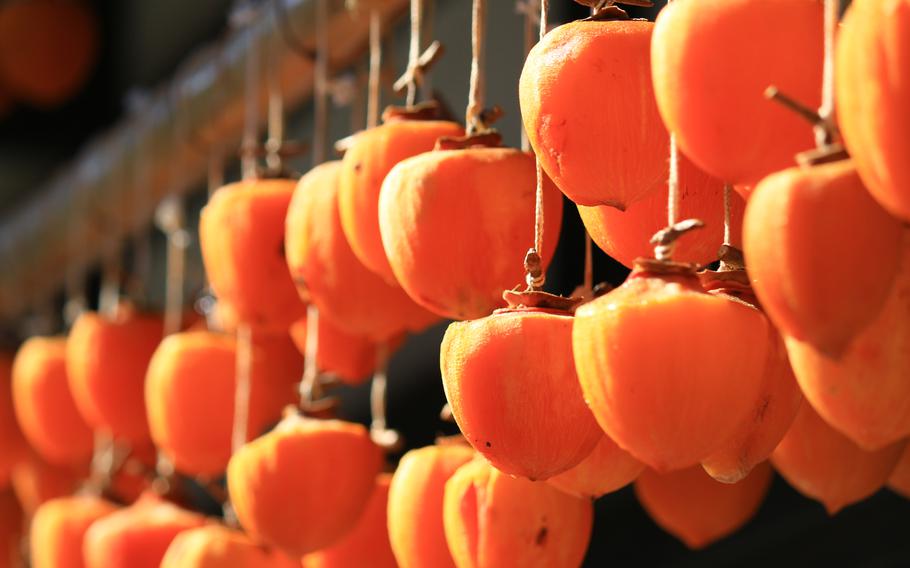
588, 107
607, 468
503, 375
866, 393
242, 240
13, 446
302, 486
58, 529
106, 361
819, 281
697, 509
626, 235
367, 544
456, 225
492, 519
328, 274
44, 403
416, 494
137, 536
366, 163
872, 49
190, 392
35, 481
216, 546
899, 482
710, 76
823, 464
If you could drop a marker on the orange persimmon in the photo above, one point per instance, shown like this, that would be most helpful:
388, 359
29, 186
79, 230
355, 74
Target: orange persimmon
217, 546
106, 361
416, 493
588, 107
606, 469
367, 544
190, 391
328, 274
44, 403
365, 165
302, 486
13, 447
710, 76
697, 509
58, 529
873, 51
456, 225
820, 253
492, 519
241, 234
503, 376
823, 464
35, 481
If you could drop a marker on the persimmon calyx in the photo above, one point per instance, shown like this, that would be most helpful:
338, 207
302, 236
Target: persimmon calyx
665, 239
536, 299
487, 139
731, 258
829, 147
606, 10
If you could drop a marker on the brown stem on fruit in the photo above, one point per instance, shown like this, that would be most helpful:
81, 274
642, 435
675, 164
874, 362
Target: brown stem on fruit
488, 139
606, 10
536, 299
828, 148
427, 110
731, 258
534, 272
665, 239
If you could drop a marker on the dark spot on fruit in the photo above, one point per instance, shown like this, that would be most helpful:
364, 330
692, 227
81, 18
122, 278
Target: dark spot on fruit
541, 538
489, 445
358, 166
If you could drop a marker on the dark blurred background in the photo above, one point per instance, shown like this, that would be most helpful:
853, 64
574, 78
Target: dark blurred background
141, 45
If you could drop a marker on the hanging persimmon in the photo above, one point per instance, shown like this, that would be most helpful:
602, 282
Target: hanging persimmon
137, 536
302, 486
764, 427
416, 493
213, 546
823, 464
13, 447
899, 482
366, 163
44, 403
641, 353
454, 222
625, 235
47, 49
106, 361
865, 394
190, 390
241, 233
588, 107
699, 510
36, 481
820, 253
607, 468
58, 529
710, 77
504, 374
492, 519
328, 274
871, 49
367, 544
351, 358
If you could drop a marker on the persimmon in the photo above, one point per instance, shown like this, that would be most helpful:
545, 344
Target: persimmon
899, 482
626, 235
367, 544
871, 47
35, 481
13, 447
44, 403
47, 49
710, 76
492, 519
216, 546
302, 486
351, 358
416, 495
818, 280
455, 225
137, 536
10, 531
588, 107
106, 361
503, 375
697, 509
640, 351
241, 234
327, 273
865, 394
374, 152
58, 529
823, 464
607, 468
190, 391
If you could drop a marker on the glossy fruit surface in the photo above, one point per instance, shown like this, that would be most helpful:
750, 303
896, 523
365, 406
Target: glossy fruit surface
607, 468
216, 546
58, 529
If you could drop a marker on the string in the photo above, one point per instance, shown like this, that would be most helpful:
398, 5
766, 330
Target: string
535, 276
414, 50
275, 116
378, 389
426, 25
727, 215
375, 69
826, 110
243, 370
321, 87
251, 110
476, 90
309, 383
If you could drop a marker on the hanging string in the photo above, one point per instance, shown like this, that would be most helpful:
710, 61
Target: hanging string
673, 184
476, 90
275, 139
378, 388
375, 69
414, 50
309, 384
824, 131
251, 109
728, 229
243, 372
426, 25
171, 219
321, 87
535, 276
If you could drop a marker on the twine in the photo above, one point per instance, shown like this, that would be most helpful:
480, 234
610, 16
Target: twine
535, 276
477, 88
375, 69
242, 386
321, 86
